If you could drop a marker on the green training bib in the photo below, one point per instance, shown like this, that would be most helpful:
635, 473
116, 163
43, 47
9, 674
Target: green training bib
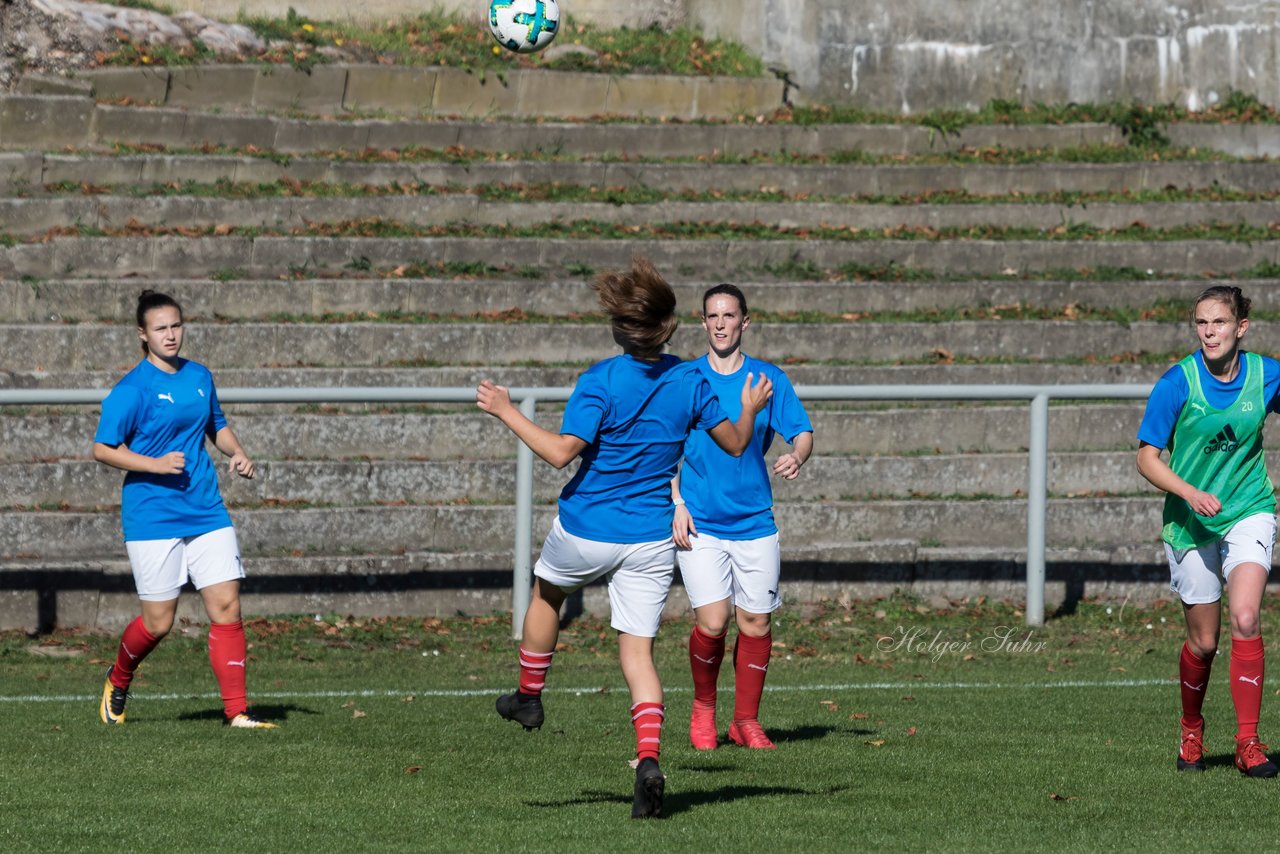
1218, 451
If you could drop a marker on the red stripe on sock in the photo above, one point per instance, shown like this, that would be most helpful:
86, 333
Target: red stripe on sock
647, 720
533, 671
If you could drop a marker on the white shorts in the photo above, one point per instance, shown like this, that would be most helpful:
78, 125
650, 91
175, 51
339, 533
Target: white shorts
161, 567
745, 571
1197, 575
639, 575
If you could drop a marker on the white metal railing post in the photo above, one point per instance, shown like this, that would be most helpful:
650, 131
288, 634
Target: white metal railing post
522, 574
1037, 506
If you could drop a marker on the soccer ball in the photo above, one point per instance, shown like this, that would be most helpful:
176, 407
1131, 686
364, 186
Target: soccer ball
525, 26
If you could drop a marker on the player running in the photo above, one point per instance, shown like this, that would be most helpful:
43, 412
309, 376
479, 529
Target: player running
627, 419
1219, 513
153, 425
724, 529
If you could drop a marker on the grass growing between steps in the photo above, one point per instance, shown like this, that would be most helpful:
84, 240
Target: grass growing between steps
375, 227
443, 38
459, 155
532, 193
899, 725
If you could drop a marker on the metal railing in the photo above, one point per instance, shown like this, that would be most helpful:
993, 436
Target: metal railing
528, 399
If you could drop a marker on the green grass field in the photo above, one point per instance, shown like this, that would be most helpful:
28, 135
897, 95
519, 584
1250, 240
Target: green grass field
949, 735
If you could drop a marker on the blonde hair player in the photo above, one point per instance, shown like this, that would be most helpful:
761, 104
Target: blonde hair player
1219, 512
627, 420
725, 531
153, 425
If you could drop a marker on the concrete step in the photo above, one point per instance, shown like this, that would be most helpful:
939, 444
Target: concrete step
263, 345
206, 120
37, 215
825, 478
43, 594
39, 595
27, 172
1074, 522
470, 435
303, 257
114, 299
260, 91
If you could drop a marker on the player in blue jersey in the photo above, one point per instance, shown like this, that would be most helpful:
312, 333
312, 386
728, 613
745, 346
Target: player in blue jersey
627, 419
1219, 512
153, 425
724, 528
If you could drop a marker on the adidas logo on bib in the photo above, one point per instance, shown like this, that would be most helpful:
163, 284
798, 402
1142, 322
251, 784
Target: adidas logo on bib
1225, 441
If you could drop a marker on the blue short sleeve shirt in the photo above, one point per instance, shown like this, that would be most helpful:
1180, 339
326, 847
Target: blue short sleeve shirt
731, 497
634, 417
154, 413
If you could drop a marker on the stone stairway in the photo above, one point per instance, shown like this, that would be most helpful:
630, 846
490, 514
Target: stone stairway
391, 259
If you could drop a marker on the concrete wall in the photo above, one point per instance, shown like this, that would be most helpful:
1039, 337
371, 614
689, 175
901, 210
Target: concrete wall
914, 55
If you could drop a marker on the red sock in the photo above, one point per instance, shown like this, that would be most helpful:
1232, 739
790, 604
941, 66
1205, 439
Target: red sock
1247, 666
533, 671
750, 666
135, 644
647, 719
1194, 673
705, 654
227, 656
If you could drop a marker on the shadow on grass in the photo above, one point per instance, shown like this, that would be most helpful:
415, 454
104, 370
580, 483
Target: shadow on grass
1219, 760
801, 733
680, 801
275, 713
779, 736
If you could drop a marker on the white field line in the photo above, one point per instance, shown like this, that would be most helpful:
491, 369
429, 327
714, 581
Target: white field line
486, 692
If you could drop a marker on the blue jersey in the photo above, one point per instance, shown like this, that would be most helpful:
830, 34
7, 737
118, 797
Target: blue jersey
634, 417
154, 413
1171, 392
730, 497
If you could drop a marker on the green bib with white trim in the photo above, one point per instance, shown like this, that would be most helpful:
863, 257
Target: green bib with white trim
1218, 451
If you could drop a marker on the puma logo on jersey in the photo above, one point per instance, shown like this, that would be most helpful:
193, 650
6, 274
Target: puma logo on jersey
1255, 681
200, 392
164, 395
1195, 405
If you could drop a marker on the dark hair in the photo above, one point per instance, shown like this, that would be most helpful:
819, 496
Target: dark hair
641, 306
1229, 294
729, 291
149, 300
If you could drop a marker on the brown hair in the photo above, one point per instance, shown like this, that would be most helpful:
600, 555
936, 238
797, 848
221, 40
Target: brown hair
726, 289
641, 306
1229, 294
149, 300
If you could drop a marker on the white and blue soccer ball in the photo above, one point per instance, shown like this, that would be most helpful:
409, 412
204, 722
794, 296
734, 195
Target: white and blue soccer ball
525, 26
